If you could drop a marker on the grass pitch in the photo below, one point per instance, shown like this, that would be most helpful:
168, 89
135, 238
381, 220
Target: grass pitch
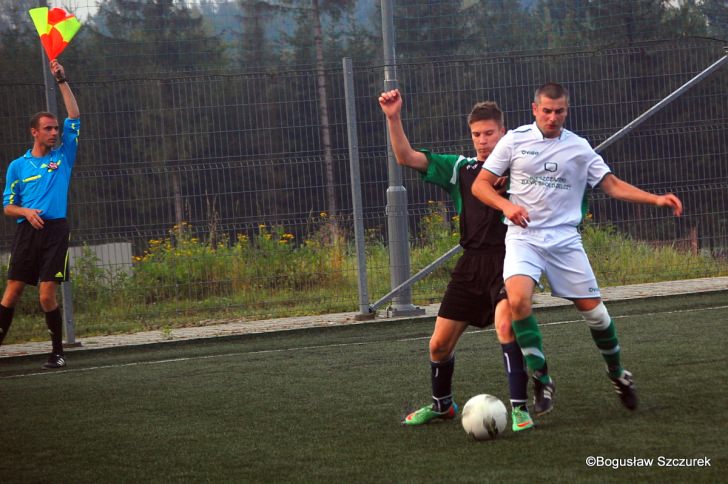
324, 406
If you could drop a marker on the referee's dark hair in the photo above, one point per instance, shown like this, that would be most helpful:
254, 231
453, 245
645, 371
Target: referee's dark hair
35, 120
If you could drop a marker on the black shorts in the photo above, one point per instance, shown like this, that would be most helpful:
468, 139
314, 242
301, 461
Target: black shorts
475, 288
40, 255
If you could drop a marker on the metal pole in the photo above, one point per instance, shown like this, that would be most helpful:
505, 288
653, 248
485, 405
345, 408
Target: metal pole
657, 107
66, 288
417, 277
351, 128
397, 226
67, 298
50, 85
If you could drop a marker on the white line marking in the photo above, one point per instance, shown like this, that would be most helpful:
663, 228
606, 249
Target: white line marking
315, 347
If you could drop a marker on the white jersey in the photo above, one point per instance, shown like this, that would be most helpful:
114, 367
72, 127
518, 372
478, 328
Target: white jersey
548, 176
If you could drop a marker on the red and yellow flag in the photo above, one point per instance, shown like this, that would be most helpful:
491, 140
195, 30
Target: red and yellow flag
56, 28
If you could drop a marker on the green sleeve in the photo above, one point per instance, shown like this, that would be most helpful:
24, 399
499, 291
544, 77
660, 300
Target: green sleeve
442, 170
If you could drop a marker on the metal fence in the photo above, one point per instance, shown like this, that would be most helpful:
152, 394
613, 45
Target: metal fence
205, 196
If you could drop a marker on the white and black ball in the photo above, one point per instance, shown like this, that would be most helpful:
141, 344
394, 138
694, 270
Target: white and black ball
484, 417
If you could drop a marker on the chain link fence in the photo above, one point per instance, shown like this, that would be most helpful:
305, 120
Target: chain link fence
204, 196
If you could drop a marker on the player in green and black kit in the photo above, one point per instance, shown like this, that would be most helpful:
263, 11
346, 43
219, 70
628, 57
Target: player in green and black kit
476, 294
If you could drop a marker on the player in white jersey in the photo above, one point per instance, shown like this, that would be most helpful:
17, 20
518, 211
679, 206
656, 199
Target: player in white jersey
550, 168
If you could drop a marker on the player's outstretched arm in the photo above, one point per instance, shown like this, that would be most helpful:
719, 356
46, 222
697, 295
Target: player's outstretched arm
484, 189
391, 104
621, 190
68, 98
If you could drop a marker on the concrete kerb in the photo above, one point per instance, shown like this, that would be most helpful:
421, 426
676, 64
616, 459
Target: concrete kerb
236, 328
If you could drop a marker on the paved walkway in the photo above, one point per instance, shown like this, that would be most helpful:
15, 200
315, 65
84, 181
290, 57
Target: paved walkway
229, 328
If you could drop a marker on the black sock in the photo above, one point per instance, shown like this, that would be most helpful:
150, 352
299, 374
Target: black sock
6, 317
54, 321
442, 383
515, 366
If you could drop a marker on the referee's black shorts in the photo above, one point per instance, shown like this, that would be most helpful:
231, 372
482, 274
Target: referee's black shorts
475, 288
40, 255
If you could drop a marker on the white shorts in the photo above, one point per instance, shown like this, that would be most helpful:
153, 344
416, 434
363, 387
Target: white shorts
556, 252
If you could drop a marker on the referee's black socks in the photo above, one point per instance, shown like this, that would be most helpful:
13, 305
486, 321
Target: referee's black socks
54, 321
6, 317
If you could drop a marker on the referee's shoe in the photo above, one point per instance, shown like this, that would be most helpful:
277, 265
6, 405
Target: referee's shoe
55, 361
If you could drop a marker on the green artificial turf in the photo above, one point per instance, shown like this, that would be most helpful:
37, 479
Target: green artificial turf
324, 406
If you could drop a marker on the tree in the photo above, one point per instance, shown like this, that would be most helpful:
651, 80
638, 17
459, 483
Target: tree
165, 34
436, 32
19, 42
308, 44
498, 27
625, 22
716, 12
685, 19
254, 47
562, 23
158, 40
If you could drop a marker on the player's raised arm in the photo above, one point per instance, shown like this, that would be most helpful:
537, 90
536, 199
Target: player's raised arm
391, 104
621, 190
68, 98
485, 191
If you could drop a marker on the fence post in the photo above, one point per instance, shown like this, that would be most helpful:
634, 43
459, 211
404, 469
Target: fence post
397, 224
355, 176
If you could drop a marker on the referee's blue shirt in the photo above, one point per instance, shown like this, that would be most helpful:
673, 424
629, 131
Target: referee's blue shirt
42, 183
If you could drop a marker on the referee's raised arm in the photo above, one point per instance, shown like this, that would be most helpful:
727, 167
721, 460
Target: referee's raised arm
69, 99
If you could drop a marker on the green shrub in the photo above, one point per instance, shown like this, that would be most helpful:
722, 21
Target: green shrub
181, 280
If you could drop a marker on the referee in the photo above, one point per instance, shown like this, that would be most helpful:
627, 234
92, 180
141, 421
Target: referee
36, 194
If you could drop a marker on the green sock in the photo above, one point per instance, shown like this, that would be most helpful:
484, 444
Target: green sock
608, 344
529, 339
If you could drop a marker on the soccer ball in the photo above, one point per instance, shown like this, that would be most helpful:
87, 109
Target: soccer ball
484, 417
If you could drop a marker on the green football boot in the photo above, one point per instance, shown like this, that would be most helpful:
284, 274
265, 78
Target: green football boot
521, 419
427, 414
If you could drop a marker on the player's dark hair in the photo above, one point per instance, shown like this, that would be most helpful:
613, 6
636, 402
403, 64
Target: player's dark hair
486, 111
551, 90
35, 120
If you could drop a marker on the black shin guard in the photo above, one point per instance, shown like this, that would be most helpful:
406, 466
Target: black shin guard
6, 318
441, 377
54, 321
